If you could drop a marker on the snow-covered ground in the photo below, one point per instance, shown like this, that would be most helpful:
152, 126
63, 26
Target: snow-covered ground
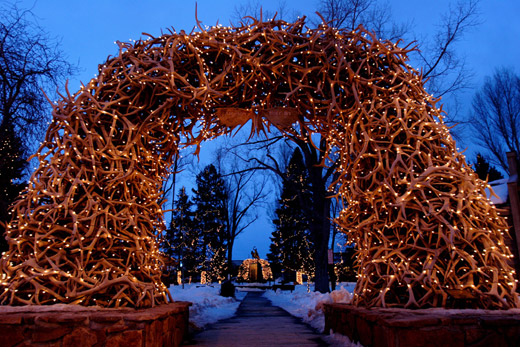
309, 307
209, 307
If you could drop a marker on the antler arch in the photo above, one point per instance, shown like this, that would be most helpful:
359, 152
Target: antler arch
83, 232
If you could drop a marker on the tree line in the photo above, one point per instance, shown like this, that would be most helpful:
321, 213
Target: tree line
200, 236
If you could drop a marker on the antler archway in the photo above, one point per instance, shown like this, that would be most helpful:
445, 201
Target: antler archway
83, 231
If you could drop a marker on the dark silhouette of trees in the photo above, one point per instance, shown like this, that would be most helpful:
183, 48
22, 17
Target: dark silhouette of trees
320, 209
203, 232
495, 116
485, 171
30, 61
12, 166
442, 66
255, 9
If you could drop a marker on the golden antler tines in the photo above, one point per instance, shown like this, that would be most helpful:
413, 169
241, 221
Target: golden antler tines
84, 231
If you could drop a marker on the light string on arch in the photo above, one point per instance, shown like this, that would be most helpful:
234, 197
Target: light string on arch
84, 231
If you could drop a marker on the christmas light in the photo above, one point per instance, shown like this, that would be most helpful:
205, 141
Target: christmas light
418, 215
243, 270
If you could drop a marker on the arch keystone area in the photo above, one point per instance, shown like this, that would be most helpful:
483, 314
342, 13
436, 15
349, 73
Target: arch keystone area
84, 231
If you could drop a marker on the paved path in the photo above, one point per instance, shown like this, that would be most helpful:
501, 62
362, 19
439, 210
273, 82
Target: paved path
258, 323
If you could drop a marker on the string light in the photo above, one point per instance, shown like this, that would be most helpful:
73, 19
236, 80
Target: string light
418, 215
244, 269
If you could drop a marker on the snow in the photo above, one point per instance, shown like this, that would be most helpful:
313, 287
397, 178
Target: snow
309, 307
337, 340
208, 306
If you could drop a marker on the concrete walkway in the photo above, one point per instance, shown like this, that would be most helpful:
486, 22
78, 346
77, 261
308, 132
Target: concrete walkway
258, 323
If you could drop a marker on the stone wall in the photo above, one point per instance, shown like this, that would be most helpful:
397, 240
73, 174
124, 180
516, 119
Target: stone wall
71, 325
427, 327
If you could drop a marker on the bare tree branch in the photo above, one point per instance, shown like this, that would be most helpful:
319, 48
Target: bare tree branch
30, 61
374, 15
495, 118
255, 9
442, 66
244, 190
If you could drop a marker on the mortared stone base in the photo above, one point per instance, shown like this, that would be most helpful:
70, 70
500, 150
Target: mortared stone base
380, 327
77, 326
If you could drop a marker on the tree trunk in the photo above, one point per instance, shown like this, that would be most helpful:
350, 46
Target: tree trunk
332, 274
230, 257
319, 210
321, 278
320, 229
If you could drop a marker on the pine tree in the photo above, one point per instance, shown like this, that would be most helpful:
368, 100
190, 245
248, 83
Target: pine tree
485, 171
12, 165
211, 218
182, 240
291, 246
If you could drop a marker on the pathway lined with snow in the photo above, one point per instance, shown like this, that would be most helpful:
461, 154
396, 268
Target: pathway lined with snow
258, 323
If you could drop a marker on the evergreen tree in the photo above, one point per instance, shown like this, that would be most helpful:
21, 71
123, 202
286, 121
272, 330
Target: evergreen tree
182, 240
291, 246
211, 218
12, 165
485, 171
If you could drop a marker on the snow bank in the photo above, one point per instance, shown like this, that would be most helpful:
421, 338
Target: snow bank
309, 307
338, 340
208, 306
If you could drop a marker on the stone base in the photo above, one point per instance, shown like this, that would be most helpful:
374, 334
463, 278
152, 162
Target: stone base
72, 325
435, 327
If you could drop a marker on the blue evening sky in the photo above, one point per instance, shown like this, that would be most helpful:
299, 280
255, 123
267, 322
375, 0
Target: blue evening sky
88, 30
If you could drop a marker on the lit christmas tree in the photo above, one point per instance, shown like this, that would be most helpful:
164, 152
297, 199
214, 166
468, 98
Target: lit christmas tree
12, 165
291, 247
210, 218
183, 239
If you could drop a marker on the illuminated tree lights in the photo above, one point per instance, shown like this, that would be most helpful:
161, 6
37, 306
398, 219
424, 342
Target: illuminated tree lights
291, 247
84, 230
244, 269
